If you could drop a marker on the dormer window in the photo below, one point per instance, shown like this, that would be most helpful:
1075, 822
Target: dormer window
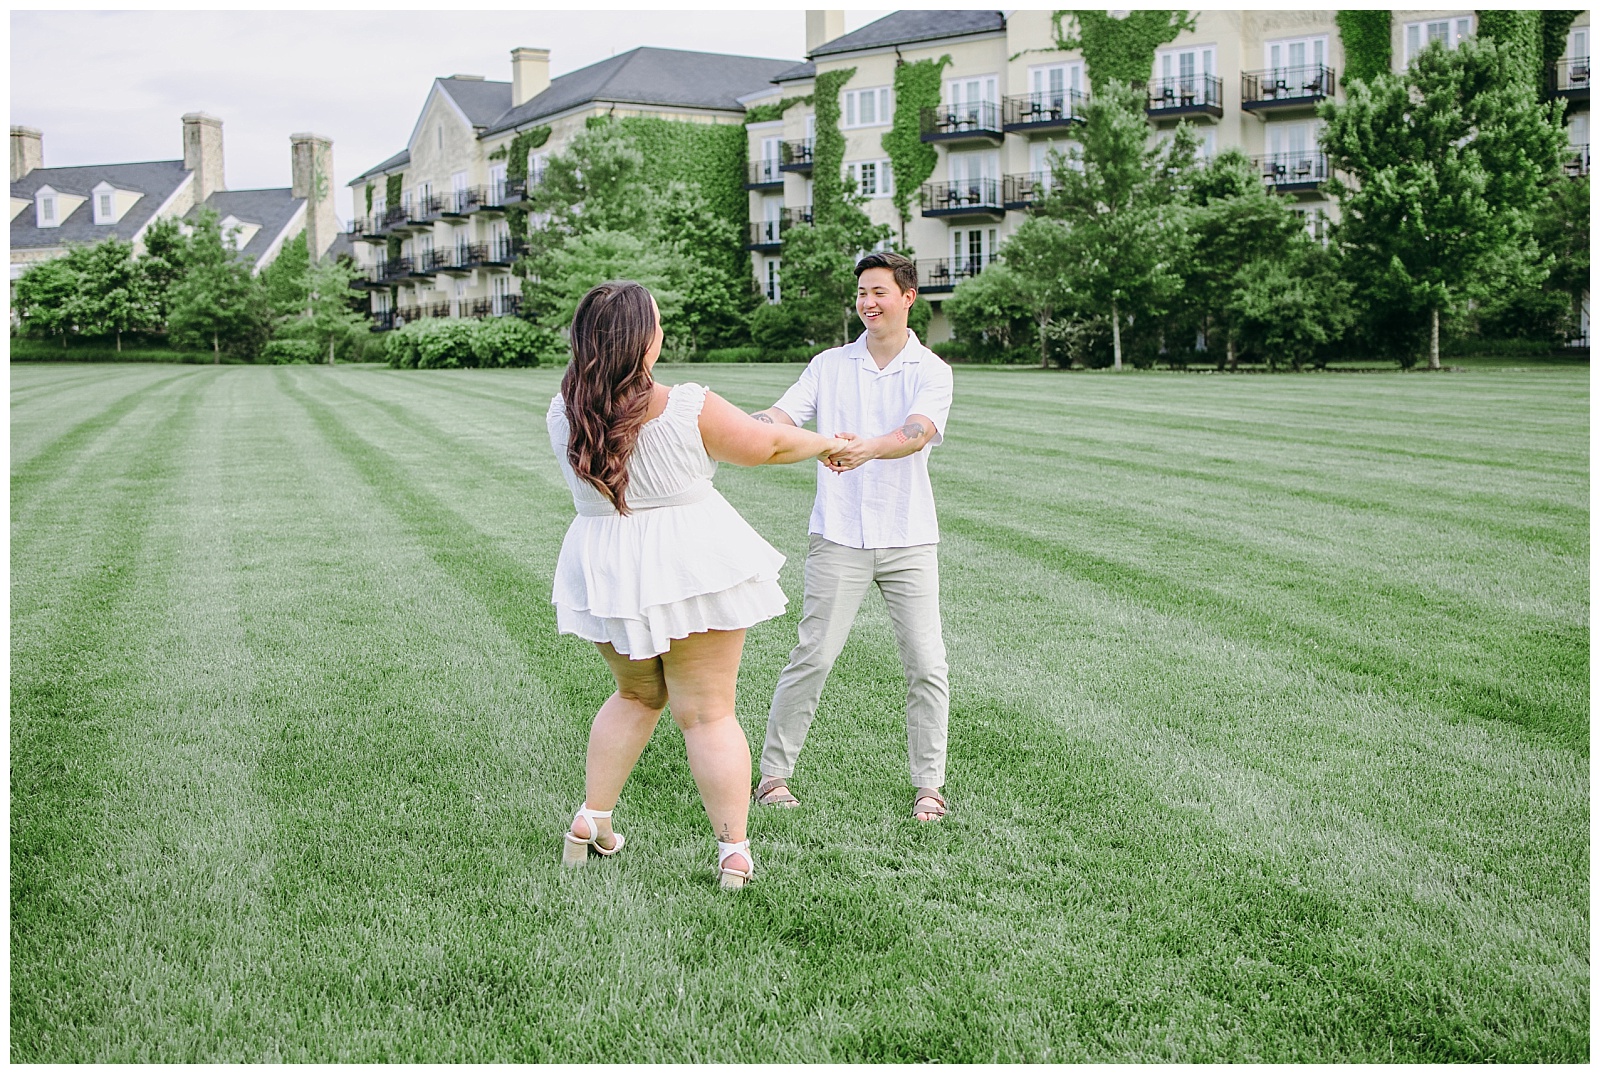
103, 201
47, 207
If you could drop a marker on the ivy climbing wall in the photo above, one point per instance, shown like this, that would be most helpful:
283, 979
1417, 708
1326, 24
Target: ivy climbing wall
916, 86
1120, 49
827, 156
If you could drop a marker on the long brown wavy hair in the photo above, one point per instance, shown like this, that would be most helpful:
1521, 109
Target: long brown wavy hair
607, 388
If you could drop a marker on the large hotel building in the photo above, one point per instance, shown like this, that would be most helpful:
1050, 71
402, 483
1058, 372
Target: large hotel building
432, 221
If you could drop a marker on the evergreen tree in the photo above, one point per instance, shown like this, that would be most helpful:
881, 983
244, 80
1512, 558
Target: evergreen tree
1120, 200
218, 300
1447, 165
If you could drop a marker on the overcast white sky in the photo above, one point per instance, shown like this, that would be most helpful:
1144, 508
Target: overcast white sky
110, 86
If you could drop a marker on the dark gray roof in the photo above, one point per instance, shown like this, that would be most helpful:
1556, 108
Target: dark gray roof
909, 27
402, 157
482, 101
272, 209
797, 72
657, 76
155, 179
341, 246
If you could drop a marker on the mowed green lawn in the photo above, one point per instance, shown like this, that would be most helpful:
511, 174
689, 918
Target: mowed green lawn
1269, 734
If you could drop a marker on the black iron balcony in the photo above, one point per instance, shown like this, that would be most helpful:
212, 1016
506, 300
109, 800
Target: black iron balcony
974, 121
765, 235
796, 214
967, 197
503, 250
1047, 110
407, 314
1285, 87
422, 263
511, 194
468, 256
383, 320
424, 210
505, 305
1570, 79
466, 200
1185, 95
1293, 173
439, 309
941, 276
394, 218
795, 156
391, 269
367, 229
1576, 166
764, 175
1018, 192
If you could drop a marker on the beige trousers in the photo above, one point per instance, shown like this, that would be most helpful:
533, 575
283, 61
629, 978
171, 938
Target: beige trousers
837, 578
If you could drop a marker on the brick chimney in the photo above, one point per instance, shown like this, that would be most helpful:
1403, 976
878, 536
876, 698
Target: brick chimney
530, 74
202, 153
822, 27
27, 151
311, 171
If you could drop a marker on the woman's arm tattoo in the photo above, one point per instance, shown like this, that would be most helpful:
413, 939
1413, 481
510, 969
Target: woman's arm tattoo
764, 416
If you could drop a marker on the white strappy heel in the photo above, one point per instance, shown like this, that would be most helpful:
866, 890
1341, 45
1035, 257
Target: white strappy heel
734, 879
575, 849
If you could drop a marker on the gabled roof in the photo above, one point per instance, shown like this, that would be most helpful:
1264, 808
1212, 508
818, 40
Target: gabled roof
481, 101
797, 72
910, 27
272, 210
400, 158
156, 180
652, 76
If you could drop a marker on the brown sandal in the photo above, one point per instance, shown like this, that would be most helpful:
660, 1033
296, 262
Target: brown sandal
925, 794
773, 791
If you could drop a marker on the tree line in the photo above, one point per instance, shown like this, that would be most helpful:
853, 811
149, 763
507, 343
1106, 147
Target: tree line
191, 289
1453, 207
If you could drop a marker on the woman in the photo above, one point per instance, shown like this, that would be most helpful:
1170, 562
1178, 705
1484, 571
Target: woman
658, 570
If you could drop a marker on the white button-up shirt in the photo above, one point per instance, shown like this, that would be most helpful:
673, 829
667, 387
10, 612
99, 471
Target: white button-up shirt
885, 503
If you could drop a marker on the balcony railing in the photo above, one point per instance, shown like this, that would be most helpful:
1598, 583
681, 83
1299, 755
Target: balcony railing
764, 173
962, 198
1184, 95
941, 275
502, 250
424, 209
390, 269
1294, 171
466, 200
393, 217
765, 235
1571, 78
1024, 191
407, 314
383, 320
505, 305
963, 122
1576, 166
795, 156
1046, 110
1285, 87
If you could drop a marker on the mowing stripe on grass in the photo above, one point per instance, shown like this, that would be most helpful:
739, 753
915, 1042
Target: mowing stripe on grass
72, 645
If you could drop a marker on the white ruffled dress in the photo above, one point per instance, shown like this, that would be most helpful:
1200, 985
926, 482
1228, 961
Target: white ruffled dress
680, 562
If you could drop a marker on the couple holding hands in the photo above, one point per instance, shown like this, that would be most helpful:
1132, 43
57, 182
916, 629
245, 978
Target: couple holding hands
664, 576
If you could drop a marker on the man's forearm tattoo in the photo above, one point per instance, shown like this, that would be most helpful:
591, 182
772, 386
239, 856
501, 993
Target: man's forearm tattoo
911, 430
764, 416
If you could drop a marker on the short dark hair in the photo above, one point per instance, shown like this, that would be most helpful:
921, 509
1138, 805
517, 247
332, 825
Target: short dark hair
904, 269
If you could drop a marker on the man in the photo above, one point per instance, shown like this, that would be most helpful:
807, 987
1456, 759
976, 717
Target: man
870, 524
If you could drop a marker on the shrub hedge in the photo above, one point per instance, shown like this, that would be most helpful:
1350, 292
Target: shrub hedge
500, 342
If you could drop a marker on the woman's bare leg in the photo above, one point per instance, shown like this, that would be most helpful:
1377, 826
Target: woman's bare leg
701, 672
619, 733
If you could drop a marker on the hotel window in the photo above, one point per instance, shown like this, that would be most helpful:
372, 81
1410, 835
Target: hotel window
872, 107
873, 178
47, 212
1419, 35
1049, 85
105, 208
774, 294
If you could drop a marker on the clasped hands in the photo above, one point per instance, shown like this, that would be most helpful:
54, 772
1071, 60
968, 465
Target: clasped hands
851, 452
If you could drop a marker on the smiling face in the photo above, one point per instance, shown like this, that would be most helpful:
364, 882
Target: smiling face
880, 303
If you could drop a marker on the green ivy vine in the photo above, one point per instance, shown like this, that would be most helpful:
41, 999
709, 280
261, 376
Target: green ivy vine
516, 158
1122, 49
916, 86
369, 198
766, 113
1521, 30
1368, 52
391, 188
827, 153
1553, 35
